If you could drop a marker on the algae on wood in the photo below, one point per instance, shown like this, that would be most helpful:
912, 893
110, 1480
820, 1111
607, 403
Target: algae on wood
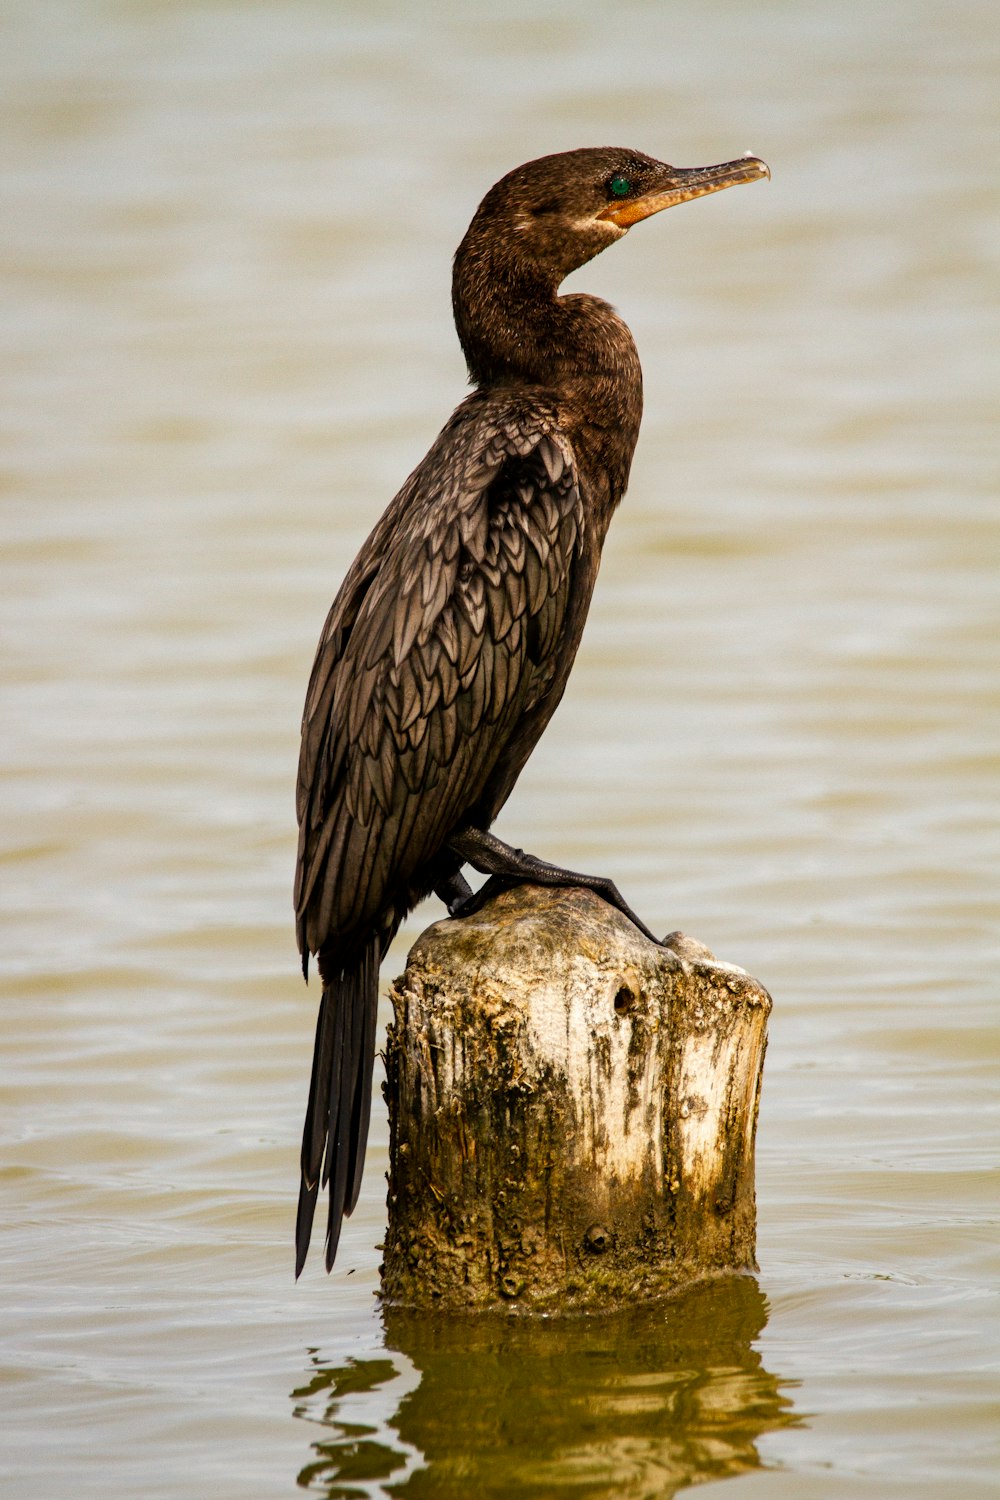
572, 1110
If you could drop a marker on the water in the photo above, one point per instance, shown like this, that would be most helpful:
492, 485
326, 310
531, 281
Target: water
225, 264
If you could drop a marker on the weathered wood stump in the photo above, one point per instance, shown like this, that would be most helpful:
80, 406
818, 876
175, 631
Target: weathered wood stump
572, 1110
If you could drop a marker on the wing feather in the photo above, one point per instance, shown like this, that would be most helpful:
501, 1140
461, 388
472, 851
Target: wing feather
438, 640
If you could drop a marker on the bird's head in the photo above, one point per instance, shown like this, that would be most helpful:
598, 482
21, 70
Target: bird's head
557, 212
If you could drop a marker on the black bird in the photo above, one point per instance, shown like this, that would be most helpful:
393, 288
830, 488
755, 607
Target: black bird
449, 644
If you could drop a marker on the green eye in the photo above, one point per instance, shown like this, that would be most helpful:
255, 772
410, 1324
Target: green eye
619, 187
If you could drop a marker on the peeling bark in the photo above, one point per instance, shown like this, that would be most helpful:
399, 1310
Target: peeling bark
572, 1110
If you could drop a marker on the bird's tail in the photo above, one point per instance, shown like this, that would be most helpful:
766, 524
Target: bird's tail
340, 1097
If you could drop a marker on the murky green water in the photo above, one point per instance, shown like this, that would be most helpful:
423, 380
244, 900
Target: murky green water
225, 271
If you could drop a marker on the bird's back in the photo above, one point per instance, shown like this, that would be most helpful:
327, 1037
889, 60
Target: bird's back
442, 659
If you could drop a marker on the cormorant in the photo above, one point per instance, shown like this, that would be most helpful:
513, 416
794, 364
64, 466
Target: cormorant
449, 644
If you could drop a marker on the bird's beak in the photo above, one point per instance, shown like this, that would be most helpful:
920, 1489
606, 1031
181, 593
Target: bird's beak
679, 184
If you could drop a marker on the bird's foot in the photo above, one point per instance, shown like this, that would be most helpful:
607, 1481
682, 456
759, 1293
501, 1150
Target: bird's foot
507, 867
455, 892
476, 900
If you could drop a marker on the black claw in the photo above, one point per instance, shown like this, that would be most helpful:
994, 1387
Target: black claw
507, 867
453, 892
476, 900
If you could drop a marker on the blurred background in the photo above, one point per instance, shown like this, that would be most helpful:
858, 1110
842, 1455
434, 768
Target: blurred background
225, 317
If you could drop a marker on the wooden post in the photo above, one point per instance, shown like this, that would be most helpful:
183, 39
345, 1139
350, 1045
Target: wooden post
572, 1110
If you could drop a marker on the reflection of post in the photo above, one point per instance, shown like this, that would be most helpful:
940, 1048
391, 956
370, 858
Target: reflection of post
631, 1404
572, 1110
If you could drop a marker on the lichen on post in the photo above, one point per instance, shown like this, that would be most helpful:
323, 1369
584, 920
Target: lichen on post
572, 1110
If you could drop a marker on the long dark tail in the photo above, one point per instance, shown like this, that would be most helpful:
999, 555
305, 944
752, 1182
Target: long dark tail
340, 1098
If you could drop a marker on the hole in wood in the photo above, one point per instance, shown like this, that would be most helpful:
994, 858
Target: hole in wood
624, 1000
597, 1239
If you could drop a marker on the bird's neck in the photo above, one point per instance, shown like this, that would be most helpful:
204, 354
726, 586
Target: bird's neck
516, 330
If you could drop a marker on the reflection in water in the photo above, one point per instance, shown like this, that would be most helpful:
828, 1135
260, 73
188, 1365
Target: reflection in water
640, 1404
359, 1457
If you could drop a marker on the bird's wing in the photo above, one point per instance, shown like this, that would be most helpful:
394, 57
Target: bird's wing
442, 637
